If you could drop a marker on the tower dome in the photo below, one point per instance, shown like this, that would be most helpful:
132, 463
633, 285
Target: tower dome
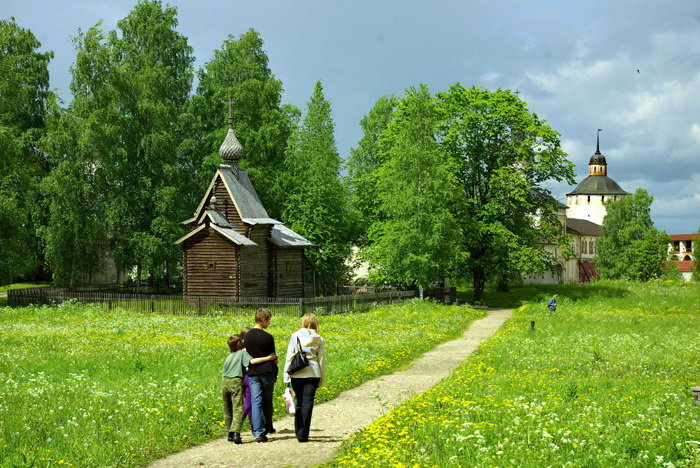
231, 149
587, 200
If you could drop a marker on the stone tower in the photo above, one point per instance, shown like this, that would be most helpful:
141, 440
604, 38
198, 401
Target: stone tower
587, 200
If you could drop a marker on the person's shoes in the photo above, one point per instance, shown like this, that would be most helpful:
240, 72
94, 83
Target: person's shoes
237, 438
303, 440
262, 438
272, 431
230, 436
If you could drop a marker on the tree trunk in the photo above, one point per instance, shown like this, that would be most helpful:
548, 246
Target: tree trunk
479, 281
420, 292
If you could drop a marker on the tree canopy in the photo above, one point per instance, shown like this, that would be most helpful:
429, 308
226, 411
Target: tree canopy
364, 161
117, 172
500, 156
416, 238
317, 203
24, 92
631, 248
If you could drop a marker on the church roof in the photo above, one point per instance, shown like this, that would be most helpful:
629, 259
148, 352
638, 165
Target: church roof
598, 185
231, 148
243, 194
282, 236
597, 158
583, 227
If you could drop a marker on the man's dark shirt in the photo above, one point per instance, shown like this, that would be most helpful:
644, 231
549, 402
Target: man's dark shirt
260, 343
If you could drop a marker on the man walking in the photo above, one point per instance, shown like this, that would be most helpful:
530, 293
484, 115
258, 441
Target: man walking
262, 376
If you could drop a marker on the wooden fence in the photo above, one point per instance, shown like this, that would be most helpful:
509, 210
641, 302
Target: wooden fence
207, 305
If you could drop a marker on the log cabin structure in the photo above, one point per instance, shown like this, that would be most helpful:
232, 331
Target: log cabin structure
234, 249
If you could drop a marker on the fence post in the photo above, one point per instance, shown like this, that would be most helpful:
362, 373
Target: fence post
153, 305
109, 305
301, 306
199, 305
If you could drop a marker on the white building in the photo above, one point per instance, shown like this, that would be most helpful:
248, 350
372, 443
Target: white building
584, 213
681, 252
587, 200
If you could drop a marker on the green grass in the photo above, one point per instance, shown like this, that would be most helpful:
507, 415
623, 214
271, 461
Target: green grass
84, 388
39, 284
605, 382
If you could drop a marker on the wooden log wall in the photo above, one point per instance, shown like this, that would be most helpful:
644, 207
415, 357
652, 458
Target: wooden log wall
210, 261
255, 263
290, 273
308, 277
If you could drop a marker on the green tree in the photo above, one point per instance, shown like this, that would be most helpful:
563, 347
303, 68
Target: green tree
416, 239
695, 266
239, 70
24, 91
670, 271
129, 88
503, 156
317, 200
364, 162
631, 247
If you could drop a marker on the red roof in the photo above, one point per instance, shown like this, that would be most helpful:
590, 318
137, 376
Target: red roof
685, 236
683, 265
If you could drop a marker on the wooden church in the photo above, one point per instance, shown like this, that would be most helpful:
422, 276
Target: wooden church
234, 249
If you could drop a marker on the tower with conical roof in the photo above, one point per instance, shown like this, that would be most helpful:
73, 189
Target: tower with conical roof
587, 200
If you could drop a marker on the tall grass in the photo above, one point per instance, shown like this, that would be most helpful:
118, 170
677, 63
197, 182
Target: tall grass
80, 387
605, 382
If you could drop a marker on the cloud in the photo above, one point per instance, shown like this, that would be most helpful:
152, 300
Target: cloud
650, 118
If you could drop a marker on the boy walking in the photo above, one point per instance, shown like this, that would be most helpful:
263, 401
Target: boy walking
232, 386
262, 376
552, 305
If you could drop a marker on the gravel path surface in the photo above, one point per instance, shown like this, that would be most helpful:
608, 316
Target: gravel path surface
337, 420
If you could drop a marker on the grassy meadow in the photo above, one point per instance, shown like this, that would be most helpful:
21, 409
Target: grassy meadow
84, 388
605, 382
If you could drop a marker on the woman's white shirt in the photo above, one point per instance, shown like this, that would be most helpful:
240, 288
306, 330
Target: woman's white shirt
312, 344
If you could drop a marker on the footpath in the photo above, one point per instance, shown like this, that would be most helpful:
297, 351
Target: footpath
337, 420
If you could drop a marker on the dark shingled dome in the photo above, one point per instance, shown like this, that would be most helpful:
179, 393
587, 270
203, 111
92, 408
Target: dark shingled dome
598, 185
597, 158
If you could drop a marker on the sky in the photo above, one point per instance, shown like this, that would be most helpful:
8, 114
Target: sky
631, 68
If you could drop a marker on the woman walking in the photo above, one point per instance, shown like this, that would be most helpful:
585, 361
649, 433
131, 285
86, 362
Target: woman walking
307, 380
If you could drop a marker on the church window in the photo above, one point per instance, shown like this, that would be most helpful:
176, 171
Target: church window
584, 248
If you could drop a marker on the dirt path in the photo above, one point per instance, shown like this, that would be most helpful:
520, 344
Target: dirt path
337, 420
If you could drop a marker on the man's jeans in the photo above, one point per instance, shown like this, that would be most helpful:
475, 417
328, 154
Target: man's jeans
261, 391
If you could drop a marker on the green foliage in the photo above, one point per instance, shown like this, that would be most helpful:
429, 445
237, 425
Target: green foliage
364, 162
504, 155
24, 90
118, 181
501, 156
239, 70
317, 204
416, 239
670, 271
631, 247
122, 389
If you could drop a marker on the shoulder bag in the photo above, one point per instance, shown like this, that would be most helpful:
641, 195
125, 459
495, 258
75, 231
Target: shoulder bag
299, 360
